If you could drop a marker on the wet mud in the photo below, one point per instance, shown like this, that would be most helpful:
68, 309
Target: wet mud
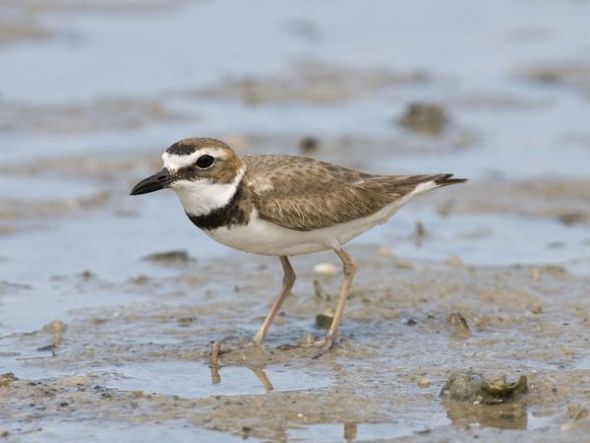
149, 361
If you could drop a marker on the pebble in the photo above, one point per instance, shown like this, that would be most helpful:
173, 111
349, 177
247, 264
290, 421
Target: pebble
309, 145
537, 308
324, 320
326, 269
427, 118
384, 251
424, 382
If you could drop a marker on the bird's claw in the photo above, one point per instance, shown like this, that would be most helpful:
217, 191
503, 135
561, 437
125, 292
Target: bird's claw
323, 345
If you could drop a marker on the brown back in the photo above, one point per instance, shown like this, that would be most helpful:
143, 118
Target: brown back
303, 194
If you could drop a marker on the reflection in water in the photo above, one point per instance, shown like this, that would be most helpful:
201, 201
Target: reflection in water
215, 377
258, 372
360, 432
261, 375
503, 416
350, 431
196, 380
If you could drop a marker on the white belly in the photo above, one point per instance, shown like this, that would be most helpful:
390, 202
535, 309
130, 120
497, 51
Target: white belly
265, 238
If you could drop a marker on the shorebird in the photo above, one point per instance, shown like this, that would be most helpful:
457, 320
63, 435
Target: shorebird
281, 205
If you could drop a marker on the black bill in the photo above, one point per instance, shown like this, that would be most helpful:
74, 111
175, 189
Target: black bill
159, 180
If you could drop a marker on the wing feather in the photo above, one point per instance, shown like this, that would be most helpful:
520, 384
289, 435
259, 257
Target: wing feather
303, 193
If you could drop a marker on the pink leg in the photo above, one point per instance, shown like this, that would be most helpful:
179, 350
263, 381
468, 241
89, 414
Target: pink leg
288, 280
349, 268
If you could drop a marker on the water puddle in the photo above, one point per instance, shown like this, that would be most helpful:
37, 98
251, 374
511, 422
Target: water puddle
195, 380
70, 431
183, 378
359, 432
406, 427
510, 416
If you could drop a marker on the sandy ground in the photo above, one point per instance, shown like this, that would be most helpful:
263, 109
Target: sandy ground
109, 305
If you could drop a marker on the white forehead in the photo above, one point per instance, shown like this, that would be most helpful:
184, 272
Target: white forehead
174, 162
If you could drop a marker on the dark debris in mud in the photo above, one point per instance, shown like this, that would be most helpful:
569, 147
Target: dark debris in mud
426, 118
474, 387
171, 258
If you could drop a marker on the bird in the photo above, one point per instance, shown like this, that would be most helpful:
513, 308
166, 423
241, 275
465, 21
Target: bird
284, 206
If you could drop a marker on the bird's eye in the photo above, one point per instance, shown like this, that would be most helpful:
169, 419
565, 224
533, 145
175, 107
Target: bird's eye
205, 161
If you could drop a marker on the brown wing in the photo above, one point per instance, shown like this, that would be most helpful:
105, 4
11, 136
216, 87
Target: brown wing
303, 194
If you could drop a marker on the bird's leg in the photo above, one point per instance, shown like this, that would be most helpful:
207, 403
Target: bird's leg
349, 268
288, 280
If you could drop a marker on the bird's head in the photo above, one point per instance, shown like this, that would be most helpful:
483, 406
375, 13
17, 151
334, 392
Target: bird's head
203, 172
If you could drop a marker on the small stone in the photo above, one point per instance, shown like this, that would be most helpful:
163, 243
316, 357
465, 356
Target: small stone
426, 118
326, 269
474, 387
324, 320
7, 378
384, 251
411, 322
424, 382
537, 308
309, 145
87, 275
566, 426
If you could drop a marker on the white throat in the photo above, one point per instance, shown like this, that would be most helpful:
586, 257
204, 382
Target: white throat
201, 197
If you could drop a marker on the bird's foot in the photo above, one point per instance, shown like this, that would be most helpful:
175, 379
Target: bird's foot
322, 345
255, 342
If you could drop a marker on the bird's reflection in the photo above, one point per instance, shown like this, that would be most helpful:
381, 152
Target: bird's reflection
350, 431
258, 372
263, 378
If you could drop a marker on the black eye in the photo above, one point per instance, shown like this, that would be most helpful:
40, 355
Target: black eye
205, 161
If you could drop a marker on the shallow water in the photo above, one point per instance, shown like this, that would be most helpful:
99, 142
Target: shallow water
194, 380
65, 431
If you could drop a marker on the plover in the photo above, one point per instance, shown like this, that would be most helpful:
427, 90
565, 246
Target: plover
282, 205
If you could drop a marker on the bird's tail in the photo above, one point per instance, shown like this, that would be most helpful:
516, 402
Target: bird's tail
447, 179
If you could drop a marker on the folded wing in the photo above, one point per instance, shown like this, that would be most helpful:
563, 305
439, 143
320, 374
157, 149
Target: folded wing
303, 194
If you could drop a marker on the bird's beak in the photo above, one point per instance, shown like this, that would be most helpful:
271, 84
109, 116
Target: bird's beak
159, 180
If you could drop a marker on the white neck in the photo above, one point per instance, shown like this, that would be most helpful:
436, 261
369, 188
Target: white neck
201, 197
